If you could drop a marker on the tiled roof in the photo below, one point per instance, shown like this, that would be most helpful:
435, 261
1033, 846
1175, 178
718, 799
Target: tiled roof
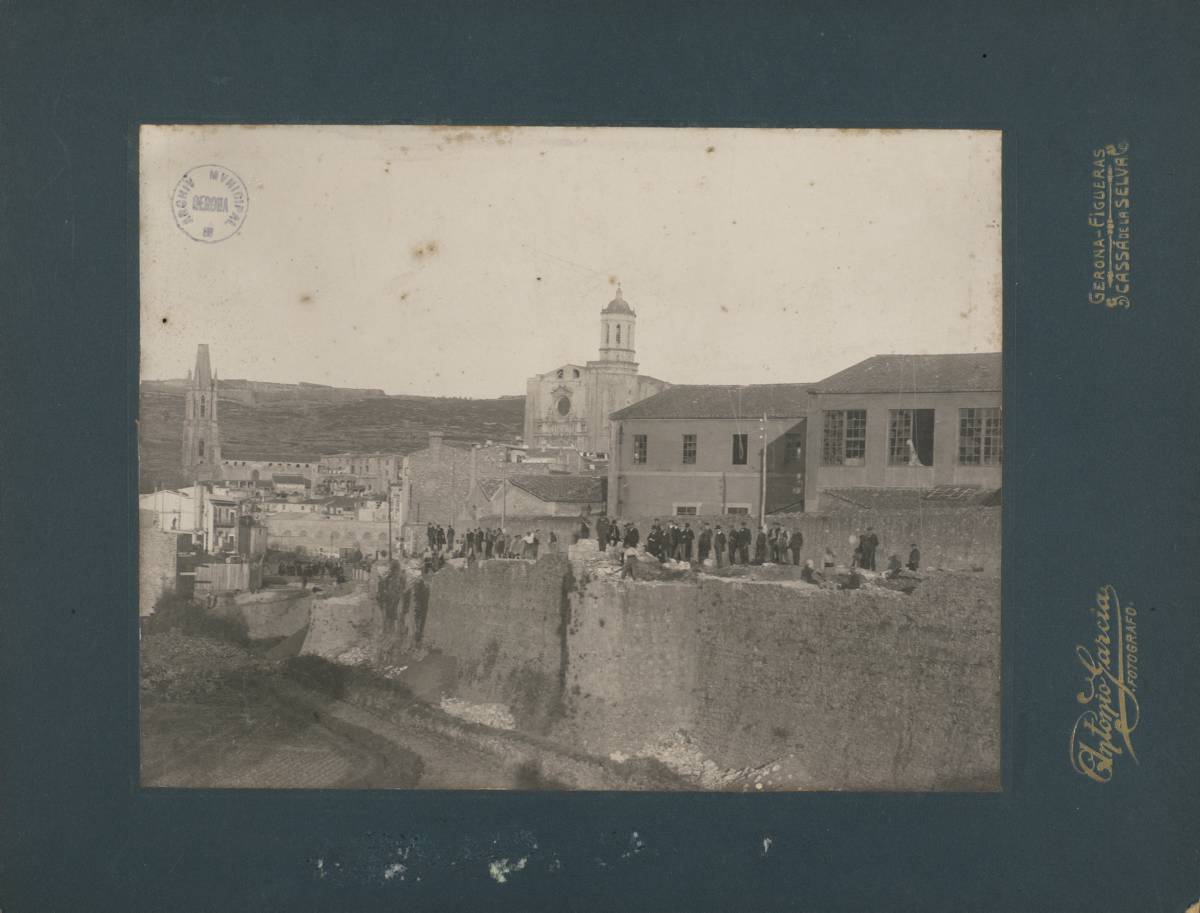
579, 489
489, 487
966, 373
231, 454
942, 497
750, 401
289, 479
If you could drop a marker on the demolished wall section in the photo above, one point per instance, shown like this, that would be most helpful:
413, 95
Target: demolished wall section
505, 623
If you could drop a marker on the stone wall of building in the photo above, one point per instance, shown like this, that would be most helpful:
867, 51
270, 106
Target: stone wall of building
157, 550
437, 481
291, 530
874, 469
265, 470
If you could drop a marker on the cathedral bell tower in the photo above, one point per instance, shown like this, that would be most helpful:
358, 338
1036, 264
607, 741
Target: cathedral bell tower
201, 437
617, 322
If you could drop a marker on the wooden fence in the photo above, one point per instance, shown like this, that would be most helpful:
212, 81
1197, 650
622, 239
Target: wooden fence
221, 578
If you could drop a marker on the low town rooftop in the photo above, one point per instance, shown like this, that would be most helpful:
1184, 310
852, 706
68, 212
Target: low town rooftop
960, 373
289, 479
578, 489
748, 401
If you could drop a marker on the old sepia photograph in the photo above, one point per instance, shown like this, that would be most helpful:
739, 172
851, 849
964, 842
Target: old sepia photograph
570, 458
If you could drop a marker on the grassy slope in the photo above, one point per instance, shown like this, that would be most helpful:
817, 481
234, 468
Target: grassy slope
303, 430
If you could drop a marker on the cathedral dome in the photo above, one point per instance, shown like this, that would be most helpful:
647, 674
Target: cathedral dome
618, 305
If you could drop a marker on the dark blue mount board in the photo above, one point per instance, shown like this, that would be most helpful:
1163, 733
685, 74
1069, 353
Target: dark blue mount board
1101, 478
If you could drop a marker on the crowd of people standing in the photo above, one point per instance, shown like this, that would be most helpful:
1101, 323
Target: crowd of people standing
665, 541
480, 544
672, 541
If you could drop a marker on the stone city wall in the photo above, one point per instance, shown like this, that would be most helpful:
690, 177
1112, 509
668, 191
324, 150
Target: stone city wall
867, 689
505, 624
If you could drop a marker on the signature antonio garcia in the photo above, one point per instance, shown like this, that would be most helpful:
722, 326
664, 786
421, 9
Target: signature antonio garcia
1104, 731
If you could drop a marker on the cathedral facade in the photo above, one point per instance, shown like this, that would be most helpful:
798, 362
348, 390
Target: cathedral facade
568, 407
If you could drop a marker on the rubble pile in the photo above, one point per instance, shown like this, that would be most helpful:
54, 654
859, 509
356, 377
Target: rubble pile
497, 716
679, 753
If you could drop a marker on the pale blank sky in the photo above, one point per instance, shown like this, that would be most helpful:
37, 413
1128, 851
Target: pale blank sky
460, 261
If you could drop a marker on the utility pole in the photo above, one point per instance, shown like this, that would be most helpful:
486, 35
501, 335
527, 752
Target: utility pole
762, 500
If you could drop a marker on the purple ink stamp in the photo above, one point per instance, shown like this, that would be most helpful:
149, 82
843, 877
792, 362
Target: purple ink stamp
210, 203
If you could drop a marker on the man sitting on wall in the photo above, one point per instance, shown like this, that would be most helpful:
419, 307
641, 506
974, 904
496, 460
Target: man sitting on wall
631, 536
654, 541
914, 559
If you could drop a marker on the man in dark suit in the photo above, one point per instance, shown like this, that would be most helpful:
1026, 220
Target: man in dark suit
869, 543
704, 543
631, 535
687, 538
653, 545
719, 545
795, 543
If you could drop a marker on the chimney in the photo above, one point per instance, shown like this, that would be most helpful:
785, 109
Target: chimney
435, 442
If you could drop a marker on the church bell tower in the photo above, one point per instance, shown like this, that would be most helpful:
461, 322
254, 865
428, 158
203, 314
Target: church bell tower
201, 436
617, 322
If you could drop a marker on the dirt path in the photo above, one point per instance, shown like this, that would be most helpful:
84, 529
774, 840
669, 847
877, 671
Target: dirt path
214, 715
280, 737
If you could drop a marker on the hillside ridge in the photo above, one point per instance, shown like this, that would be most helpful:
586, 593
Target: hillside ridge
302, 422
